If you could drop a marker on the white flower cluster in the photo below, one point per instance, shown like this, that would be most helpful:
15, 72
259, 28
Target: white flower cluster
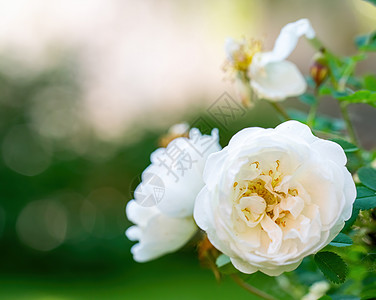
267, 200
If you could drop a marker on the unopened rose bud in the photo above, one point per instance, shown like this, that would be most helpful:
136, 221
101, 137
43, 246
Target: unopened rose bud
319, 70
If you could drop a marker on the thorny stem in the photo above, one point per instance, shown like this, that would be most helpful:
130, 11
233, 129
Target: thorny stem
280, 110
251, 288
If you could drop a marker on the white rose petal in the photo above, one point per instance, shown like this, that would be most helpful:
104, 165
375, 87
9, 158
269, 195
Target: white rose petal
157, 233
274, 78
173, 180
274, 196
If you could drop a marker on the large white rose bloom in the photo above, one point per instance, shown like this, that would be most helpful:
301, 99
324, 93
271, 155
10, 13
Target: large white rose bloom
274, 196
172, 181
271, 76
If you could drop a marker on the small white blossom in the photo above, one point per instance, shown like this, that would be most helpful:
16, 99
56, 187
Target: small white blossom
163, 205
271, 76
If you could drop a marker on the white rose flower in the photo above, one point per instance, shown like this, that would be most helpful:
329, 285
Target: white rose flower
271, 76
274, 196
163, 205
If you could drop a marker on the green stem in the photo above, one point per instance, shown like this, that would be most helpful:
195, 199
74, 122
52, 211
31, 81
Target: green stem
280, 110
313, 110
349, 126
346, 74
251, 288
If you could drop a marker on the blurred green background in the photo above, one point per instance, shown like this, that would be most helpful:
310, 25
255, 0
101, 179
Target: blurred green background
85, 94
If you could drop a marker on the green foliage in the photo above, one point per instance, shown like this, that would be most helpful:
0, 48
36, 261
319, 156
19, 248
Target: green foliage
351, 221
371, 1
308, 99
362, 96
332, 266
369, 82
346, 146
322, 123
365, 199
341, 240
367, 177
366, 42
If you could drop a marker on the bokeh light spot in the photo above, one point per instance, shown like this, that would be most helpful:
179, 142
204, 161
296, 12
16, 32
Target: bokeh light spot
42, 225
23, 153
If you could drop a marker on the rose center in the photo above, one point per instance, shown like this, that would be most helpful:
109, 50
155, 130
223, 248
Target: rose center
254, 199
242, 57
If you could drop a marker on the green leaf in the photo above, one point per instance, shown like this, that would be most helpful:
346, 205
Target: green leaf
366, 42
351, 221
224, 265
371, 1
366, 203
341, 240
369, 82
307, 99
347, 146
325, 90
363, 192
365, 198
367, 177
361, 96
325, 297
332, 266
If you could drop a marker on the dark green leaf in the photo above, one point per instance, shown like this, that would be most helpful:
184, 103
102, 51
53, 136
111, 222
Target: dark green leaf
224, 265
347, 146
361, 96
365, 203
351, 221
307, 99
341, 240
363, 192
366, 42
365, 198
332, 266
371, 1
325, 297
367, 177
